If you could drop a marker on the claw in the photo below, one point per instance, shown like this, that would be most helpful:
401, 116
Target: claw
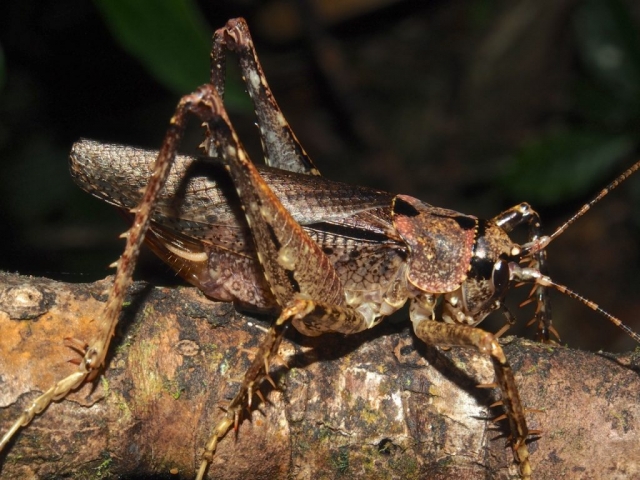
487, 385
554, 332
499, 418
236, 419
502, 331
249, 396
270, 380
77, 345
539, 308
533, 410
526, 302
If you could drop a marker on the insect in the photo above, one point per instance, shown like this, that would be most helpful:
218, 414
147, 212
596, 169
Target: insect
319, 255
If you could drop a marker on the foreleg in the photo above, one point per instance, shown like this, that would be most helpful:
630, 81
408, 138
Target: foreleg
445, 334
510, 219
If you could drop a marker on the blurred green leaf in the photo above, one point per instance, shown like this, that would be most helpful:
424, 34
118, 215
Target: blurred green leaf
169, 37
607, 41
564, 165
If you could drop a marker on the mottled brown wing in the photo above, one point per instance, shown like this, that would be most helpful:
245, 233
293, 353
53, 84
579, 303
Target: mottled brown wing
199, 229
199, 192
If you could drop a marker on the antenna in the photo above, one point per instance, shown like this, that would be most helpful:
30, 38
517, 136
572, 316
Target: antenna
542, 242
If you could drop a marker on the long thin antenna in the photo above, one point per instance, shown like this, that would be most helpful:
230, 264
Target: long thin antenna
517, 273
595, 307
542, 242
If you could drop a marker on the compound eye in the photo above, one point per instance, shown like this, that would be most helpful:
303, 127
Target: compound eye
500, 276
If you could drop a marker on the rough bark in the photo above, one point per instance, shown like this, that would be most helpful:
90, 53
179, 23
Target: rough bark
375, 405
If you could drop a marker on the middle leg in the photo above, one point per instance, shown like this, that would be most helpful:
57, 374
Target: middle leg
301, 277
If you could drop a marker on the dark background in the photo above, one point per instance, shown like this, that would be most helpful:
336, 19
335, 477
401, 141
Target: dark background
471, 105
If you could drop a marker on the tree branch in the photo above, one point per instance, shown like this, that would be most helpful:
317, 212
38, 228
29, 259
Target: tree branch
374, 405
